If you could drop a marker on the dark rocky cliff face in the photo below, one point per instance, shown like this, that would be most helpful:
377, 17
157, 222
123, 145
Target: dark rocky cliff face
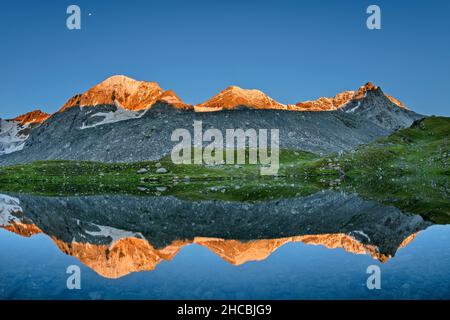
376, 107
148, 136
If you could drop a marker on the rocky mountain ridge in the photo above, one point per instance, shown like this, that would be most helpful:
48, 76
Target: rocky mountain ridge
122, 119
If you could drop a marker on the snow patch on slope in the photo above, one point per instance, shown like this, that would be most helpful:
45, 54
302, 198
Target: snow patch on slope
113, 233
12, 136
352, 110
361, 233
8, 205
120, 114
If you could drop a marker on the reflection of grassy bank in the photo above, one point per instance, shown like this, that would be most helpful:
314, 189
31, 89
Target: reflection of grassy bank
409, 169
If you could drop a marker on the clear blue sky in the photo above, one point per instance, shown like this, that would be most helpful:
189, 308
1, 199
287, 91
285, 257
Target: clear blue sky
292, 50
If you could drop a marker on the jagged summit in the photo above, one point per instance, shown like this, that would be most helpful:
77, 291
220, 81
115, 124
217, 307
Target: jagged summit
370, 102
363, 90
341, 99
325, 104
234, 96
33, 117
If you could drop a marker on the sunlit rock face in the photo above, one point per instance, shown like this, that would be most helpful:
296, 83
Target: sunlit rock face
22, 229
238, 252
341, 99
33, 117
234, 97
397, 102
118, 235
129, 255
169, 97
121, 257
123, 92
325, 104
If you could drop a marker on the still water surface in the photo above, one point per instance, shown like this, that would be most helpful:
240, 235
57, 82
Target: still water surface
316, 247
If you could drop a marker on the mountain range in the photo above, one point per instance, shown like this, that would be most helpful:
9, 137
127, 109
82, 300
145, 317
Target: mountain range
122, 119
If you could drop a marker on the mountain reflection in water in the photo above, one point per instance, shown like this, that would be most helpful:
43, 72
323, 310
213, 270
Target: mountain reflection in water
116, 235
